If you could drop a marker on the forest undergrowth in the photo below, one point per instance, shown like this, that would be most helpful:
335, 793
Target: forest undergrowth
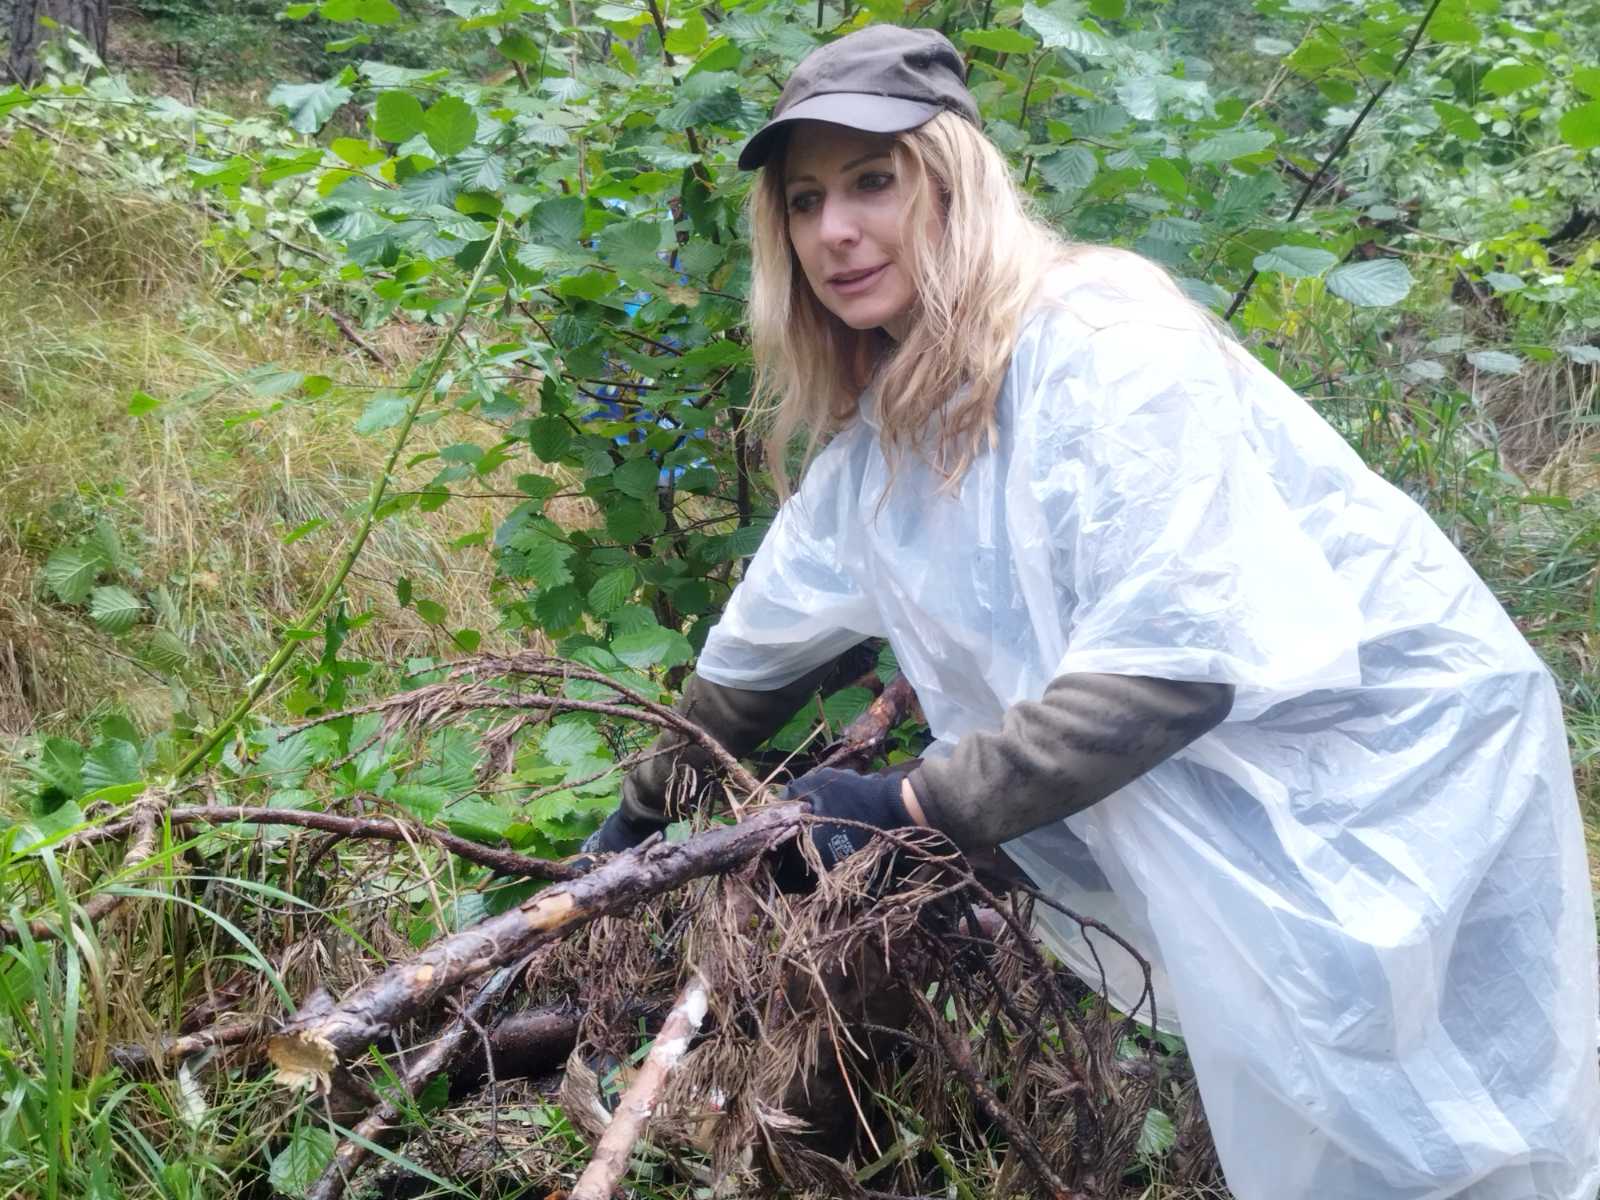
223, 316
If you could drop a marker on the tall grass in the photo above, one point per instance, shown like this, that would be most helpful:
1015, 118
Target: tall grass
109, 295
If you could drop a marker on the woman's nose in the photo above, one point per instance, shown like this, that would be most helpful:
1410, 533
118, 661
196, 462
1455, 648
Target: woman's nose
839, 226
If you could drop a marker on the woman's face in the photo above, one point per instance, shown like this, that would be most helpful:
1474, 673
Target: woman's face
845, 212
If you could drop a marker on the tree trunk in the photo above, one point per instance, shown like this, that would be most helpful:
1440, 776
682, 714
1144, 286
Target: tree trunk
89, 18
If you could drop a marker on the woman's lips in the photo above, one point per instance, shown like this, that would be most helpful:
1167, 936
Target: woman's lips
849, 283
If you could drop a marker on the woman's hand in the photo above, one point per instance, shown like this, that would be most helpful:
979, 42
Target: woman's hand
880, 801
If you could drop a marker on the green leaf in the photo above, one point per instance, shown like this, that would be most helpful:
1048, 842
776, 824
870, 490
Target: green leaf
1002, 41
422, 800
742, 542
71, 571
115, 609
1226, 147
110, 763
141, 403
383, 411
296, 1167
1502, 281
373, 12
1374, 284
1069, 169
309, 104
519, 47
1496, 362
845, 706
58, 768
432, 611
166, 651
106, 542
1458, 121
571, 741
1452, 25
1581, 126
637, 478
651, 647
1059, 28
397, 116
1511, 77
631, 243
1299, 262
1587, 81
549, 438
286, 760
1158, 1135
559, 221
450, 125
478, 819
612, 590
559, 607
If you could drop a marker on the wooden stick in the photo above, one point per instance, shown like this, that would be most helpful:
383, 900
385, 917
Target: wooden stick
610, 1162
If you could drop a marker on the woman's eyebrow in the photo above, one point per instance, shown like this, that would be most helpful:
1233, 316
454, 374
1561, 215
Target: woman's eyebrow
849, 166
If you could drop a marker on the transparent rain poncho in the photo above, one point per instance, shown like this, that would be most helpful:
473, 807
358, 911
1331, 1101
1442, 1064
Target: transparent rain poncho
1365, 894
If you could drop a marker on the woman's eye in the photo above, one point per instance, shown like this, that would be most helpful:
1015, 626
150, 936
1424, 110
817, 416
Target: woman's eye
804, 202
875, 181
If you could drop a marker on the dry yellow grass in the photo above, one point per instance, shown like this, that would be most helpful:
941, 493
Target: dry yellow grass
105, 299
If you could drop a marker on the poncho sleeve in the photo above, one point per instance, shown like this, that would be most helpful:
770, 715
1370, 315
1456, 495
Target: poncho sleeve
1172, 549
800, 603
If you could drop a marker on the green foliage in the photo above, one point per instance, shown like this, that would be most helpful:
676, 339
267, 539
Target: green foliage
597, 393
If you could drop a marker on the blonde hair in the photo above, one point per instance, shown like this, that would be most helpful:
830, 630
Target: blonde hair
975, 271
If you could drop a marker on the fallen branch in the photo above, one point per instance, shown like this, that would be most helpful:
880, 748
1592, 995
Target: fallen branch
501, 862
379, 1126
610, 1162
864, 737
307, 1051
149, 1062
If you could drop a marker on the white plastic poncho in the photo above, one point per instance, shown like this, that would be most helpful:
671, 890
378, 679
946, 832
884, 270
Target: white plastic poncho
1365, 894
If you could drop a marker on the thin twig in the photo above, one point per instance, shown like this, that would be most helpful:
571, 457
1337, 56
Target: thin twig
146, 824
343, 324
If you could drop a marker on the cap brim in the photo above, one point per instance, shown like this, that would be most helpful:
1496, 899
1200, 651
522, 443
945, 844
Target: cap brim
854, 110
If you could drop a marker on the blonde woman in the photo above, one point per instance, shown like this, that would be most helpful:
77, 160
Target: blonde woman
1198, 671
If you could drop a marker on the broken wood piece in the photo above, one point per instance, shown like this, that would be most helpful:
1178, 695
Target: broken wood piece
309, 1049
610, 1162
860, 740
379, 1125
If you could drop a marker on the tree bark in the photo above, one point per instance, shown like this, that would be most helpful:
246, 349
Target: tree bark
90, 19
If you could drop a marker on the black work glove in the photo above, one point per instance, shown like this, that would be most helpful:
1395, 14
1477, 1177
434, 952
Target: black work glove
847, 795
620, 831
